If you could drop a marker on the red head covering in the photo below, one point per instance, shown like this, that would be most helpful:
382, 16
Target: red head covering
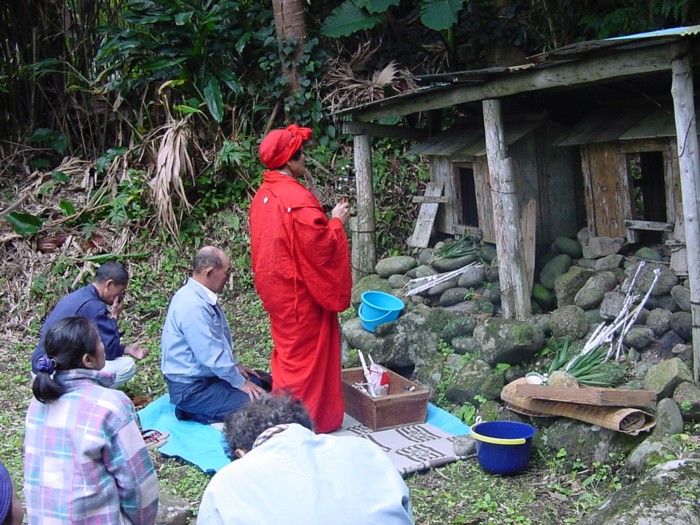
279, 145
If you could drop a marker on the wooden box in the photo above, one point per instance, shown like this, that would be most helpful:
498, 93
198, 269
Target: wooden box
405, 404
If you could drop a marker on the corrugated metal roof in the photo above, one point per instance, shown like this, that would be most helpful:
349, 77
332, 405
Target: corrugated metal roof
446, 82
629, 124
469, 140
603, 126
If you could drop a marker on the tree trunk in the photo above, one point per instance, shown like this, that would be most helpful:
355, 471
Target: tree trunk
290, 26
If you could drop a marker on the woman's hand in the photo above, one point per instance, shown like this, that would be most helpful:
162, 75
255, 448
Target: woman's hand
342, 211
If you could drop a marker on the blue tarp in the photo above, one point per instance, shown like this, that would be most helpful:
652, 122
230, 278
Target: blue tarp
202, 445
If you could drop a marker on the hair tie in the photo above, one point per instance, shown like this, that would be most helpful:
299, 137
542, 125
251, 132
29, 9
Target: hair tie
46, 364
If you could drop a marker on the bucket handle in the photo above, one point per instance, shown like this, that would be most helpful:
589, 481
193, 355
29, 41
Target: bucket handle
498, 441
359, 311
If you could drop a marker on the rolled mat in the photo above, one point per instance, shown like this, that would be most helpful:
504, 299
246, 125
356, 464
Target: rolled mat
626, 420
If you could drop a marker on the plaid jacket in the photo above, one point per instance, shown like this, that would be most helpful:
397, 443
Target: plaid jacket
85, 460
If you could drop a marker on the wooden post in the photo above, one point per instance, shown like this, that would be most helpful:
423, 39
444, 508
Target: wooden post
689, 162
512, 271
364, 250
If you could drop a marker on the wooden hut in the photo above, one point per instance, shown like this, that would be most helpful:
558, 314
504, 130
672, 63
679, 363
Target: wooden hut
568, 85
546, 176
629, 159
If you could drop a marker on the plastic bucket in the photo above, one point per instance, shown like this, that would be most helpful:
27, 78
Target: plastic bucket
503, 447
379, 303
370, 324
378, 308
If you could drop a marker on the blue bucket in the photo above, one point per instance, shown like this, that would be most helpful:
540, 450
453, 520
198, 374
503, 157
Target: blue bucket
378, 308
503, 447
370, 324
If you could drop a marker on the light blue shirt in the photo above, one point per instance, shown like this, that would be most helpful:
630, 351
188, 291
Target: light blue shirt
300, 478
196, 340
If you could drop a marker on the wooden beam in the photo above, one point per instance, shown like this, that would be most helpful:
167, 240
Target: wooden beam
364, 250
609, 397
423, 199
689, 162
461, 229
594, 69
649, 226
512, 271
380, 130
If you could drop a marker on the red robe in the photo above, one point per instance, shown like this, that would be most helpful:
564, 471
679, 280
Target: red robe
301, 263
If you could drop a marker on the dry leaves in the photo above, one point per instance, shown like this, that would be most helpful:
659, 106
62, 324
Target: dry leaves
344, 87
173, 163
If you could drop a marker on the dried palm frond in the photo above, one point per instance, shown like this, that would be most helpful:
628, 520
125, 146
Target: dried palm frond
173, 163
342, 87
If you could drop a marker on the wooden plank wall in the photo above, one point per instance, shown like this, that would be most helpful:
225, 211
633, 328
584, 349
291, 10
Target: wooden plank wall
559, 205
484, 199
608, 201
441, 171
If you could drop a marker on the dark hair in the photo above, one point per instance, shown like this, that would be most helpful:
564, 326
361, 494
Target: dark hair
295, 156
65, 343
207, 257
244, 426
112, 270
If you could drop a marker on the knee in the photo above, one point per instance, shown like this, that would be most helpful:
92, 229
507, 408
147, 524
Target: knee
125, 372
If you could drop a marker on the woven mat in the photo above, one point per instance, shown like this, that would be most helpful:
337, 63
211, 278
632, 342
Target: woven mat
411, 448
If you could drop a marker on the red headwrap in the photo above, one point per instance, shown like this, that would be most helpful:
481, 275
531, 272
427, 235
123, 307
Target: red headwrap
279, 145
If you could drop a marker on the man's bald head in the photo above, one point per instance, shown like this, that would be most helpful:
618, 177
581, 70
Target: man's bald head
208, 257
211, 268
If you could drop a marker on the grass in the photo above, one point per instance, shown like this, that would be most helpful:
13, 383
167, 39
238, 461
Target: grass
456, 493
551, 491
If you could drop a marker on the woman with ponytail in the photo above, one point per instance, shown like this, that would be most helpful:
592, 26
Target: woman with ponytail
85, 460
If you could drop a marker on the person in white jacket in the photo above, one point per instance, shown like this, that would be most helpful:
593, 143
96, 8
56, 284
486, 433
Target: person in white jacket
284, 473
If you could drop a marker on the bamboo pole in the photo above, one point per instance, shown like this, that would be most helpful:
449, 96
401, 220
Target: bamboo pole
689, 162
512, 271
364, 250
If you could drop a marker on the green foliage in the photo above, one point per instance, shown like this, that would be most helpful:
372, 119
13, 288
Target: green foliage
444, 347
396, 178
630, 16
196, 47
357, 15
467, 245
561, 356
349, 18
54, 139
303, 104
24, 223
467, 413
440, 14
591, 369
130, 204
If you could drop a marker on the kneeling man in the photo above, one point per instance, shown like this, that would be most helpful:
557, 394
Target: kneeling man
204, 378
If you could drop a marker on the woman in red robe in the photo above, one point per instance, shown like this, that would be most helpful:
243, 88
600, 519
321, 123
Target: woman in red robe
301, 263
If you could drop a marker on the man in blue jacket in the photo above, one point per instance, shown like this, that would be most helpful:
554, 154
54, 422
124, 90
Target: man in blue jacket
204, 378
101, 302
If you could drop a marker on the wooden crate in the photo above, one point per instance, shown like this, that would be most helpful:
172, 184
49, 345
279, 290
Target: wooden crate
400, 406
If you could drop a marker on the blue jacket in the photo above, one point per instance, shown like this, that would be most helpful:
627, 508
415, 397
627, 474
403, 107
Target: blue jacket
196, 340
84, 302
